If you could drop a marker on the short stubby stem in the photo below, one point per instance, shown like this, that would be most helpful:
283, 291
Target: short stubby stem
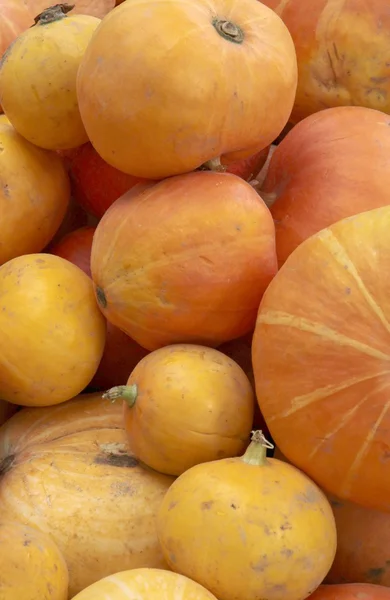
53, 13
256, 453
229, 31
128, 393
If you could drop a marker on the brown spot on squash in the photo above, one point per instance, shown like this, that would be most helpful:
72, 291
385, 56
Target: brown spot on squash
207, 505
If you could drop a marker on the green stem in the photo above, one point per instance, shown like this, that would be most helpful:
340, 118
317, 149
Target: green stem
128, 393
53, 13
256, 453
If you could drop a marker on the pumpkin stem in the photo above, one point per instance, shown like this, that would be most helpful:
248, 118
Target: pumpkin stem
229, 31
214, 164
53, 13
256, 453
128, 393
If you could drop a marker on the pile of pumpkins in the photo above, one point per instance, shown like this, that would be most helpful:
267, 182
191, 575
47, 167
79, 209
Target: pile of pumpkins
194, 241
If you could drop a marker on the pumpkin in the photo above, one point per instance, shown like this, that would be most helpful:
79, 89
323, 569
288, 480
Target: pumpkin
38, 79
185, 260
197, 111
6, 411
340, 50
184, 405
351, 145
52, 343
66, 470
246, 167
351, 591
76, 247
154, 584
260, 520
34, 195
75, 218
95, 8
320, 351
32, 567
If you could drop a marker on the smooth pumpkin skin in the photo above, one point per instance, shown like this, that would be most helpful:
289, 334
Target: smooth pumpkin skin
269, 531
185, 260
50, 324
95, 8
198, 110
76, 247
154, 584
193, 405
38, 81
351, 591
320, 355
341, 51
67, 471
34, 194
32, 567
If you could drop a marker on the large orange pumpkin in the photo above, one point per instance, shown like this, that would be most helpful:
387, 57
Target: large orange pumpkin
95, 8
332, 165
321, 356
204, 78
184, 260
341, 51
66, 471
351, 591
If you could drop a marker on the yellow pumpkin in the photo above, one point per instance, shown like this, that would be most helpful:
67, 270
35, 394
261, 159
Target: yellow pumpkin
38, 79
53, 333
186, 404
153, 584
66, 471
248, 528
31, 565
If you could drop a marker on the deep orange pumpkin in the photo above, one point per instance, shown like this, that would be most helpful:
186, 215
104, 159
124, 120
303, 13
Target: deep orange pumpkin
351, 591
321, 358
184, 260
76, 247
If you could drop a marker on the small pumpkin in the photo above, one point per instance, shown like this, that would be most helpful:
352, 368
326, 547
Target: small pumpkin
34, 194
351, 591
198, 111
31, 565
185, 260
76, 247
260, 520
95, 8
54, 342
38, 79
154, 584
184, 405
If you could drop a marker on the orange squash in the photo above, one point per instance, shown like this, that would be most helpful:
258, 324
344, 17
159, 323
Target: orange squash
351, 145
351, 591
76, 247
198, 110
184, 405
184, 260
95, 8
52, 329
320, 354
66, 471
34, 195
38, 79
260, 520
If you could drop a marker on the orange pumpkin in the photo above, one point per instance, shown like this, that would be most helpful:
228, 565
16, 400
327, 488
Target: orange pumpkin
184, 260
351, 591
75, 218
34, 195
76, 247
332, 165
341, 49
95, 8
66, 471
197, 111
320, 354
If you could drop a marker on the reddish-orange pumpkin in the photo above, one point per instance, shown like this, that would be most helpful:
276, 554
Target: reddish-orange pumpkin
76, 247
321, 358
333, 164
95, 8
184, 260
351, 591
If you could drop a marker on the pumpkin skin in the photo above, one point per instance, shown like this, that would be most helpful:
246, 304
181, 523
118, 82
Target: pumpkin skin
154, 584
218, 245
352, 146
34, 195
191, 404
38, 80
351, 591
319, 356
197, 111
39, 573
76, 456
14, 19
95, 8
76, 247
59, 332
249, 556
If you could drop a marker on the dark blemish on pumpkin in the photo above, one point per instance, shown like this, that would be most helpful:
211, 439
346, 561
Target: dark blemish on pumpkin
172, 505
207, 505
336, 502
375, 575
172, 557
116, 460
238, 227
39, 261
287, 552
260, 565
6, 464
6, 190
101, 297
26, 542
285, 526
348, 291
233, 506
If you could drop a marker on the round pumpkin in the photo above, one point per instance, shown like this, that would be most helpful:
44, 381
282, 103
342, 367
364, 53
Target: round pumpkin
351, 591
53, 332
352, 146
320, 353
67, 471
38, 79
31, 565
34, 195
154, 584
184, 405
339, 48
197, 111
95, 8
184, 260
76, 247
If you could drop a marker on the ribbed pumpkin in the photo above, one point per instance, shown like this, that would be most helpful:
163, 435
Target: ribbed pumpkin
66, 471
321, 355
